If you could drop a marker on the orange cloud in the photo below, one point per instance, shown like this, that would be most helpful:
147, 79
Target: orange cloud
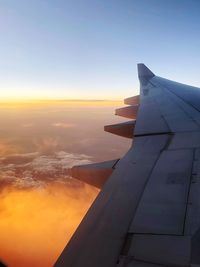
63, 125
27, 125
36, 224
7, 148
47, 144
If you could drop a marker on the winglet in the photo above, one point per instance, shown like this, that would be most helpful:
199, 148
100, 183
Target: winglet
144, 72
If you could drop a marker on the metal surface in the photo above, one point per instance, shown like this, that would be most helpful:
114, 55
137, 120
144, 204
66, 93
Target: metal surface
162, 207
100, 236
95, 174
134, 100
161, 249
124, 129
129, 112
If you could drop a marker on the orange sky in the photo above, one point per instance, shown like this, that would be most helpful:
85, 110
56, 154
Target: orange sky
28, 103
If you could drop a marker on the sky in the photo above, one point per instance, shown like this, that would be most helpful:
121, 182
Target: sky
75, 49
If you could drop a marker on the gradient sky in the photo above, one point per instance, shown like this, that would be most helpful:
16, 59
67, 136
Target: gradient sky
89, 49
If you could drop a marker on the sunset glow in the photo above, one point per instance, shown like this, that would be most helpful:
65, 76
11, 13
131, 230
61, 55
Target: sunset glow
41, 205
35, 224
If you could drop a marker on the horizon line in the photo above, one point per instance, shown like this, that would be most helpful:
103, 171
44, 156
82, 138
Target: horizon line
58, 100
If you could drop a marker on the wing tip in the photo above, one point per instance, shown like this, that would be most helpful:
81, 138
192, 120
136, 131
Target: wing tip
144, 72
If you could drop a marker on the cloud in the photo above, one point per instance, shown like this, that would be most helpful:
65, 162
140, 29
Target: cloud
40, 221
40, 206
48, 145
36, 170
63, 125
27, 125
19, 158
6, 147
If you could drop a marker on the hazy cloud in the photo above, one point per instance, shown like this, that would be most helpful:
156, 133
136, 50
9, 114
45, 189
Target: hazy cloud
48, 145
27, 125
6, 147
40, 221
63, 125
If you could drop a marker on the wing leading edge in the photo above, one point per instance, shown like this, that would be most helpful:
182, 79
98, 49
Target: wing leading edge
148, 211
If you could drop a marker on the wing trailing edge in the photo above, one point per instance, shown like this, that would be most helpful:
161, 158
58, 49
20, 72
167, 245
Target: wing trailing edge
133, 100
124, 129
129, 112
95, 174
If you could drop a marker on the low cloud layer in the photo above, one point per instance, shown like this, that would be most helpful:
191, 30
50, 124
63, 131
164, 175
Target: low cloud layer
35, 169
37, 223
40, 206
63, 125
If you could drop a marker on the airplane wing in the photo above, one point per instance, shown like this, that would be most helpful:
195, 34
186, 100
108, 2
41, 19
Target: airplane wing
147, 213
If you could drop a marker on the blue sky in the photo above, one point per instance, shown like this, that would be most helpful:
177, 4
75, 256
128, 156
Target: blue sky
88, 49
